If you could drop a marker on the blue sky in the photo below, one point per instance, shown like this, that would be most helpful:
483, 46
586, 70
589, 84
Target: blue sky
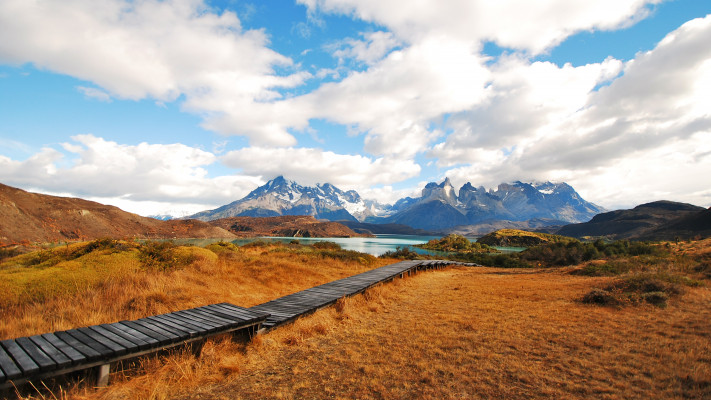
178, 106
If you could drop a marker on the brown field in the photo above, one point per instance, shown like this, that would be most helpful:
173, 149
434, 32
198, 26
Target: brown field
458, 333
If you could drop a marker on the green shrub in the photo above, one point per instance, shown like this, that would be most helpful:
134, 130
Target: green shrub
402, 253
222, 247
163, 256
658, 299
600, 297
609, 268
326, 245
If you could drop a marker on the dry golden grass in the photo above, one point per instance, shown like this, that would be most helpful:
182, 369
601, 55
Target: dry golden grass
245, 277
451, 334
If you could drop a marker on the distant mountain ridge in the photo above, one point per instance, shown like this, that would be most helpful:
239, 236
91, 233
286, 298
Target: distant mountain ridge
439, 207
281, 196
659, 220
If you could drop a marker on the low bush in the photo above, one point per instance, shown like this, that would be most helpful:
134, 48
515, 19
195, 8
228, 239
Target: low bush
326, 245
609, 268
655, 289
164, 256
402, 253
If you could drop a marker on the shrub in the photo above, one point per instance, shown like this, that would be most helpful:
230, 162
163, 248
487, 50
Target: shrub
492, 260
609, 268
7, 252
163, 256
222, 247
326, 245
600, 297
401, 252
658, 299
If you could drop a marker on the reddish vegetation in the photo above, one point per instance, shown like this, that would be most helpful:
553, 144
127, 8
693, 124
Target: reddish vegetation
32, 217
288, 225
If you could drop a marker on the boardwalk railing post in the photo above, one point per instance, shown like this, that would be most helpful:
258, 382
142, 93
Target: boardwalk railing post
102, 375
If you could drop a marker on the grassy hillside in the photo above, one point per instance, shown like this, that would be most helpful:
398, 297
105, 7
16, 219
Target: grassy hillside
455, 333
109, 280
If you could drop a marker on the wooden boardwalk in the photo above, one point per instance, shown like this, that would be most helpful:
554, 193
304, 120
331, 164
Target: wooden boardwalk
50, 354
41, 356
286, 309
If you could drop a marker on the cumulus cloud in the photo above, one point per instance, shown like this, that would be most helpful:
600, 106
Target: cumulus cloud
310, 166
396, 100
642, 137
525, 100
520, 24
154, 49
100, 169
373, 47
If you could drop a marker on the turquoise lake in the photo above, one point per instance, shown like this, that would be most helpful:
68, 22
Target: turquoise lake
371, 245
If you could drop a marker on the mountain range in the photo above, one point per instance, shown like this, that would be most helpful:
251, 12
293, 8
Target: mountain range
439, 208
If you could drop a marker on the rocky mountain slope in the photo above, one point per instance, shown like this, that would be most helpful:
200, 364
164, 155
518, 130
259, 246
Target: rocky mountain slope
280, 196
289, 226
33, 217
652, 221
439, 208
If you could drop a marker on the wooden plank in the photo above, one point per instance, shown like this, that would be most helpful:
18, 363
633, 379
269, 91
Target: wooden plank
137, 338
201, 325
211, 317
149, 329
223, 313
75, 354
48, 348
217, 322
44, 361
183, 331
8, 366
143, 324
104, 341
186, 330
104, 351
22, 359
129, 345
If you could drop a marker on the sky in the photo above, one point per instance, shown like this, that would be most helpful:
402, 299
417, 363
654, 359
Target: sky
178, 106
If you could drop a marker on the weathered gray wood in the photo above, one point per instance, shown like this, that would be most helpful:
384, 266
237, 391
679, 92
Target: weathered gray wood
48, 348
8, 366
22, 359
71, 347
44, 361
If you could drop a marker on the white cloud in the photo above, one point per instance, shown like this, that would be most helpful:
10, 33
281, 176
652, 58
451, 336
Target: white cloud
309, 166
171, 174
532, 26
94, 93
644, 137
396, 100
368, 51
154, 49
526, 100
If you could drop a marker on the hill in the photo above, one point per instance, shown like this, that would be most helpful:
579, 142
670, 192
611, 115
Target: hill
657, 220
33, 217
519, 238
288, 225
